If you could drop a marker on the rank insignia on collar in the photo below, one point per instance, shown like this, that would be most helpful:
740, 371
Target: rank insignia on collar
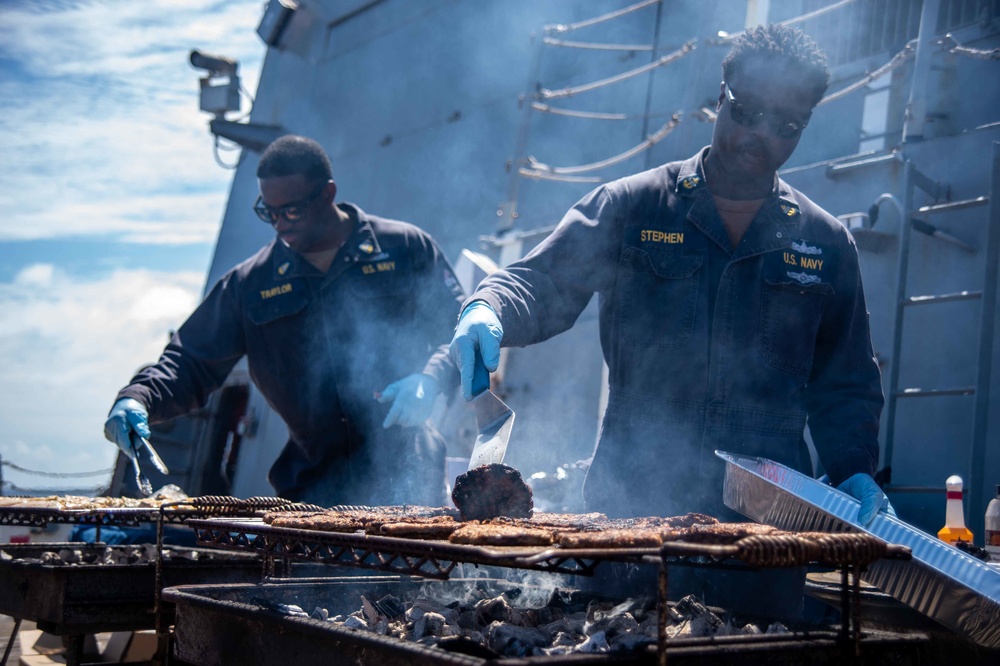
789, 211
366, 247
283, 268
690, 182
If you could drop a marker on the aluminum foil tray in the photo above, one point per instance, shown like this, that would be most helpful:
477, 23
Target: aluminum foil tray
941, 581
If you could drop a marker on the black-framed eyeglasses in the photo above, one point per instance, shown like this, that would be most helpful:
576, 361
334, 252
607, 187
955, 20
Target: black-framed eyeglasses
748, 116
293, 212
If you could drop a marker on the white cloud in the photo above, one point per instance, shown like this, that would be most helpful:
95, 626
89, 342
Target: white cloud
68, 346
100, 120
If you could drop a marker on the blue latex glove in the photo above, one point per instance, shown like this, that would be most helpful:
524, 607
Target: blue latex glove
873, 500
127, 416
478, 330
412, 400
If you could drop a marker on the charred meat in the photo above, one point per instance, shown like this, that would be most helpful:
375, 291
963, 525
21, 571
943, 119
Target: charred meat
493, 490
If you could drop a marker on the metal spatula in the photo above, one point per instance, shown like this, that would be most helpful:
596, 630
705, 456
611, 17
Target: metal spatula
494, 418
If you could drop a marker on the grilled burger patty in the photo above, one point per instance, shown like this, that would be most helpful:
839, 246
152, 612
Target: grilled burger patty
493, 490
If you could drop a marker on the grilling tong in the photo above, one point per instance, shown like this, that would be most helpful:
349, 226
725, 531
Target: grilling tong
145, 487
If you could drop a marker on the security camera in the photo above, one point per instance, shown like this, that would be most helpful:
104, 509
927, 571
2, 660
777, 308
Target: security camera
214, 64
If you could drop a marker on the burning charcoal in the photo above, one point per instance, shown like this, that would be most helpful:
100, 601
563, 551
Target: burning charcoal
69, 555
467, 646
596, 642
565, 626
320, 614
369, 611
567, 639
514, 641
630, 642
623, 624
650, 626
496, 610
353, 622
535, 617
290, 609
51, 558
467, 620
476, 636
777, 628
702, 622
610, 618
414, 613
750, 630
390, 606
727, 629
428, 624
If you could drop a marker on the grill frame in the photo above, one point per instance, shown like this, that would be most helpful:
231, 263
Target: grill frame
209, 618
71, 600
410, 556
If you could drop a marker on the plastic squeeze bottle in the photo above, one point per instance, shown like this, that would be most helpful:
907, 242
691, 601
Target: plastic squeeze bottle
954, 519
993, 527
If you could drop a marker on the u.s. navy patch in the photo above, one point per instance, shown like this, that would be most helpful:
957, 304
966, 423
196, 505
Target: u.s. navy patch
804, 263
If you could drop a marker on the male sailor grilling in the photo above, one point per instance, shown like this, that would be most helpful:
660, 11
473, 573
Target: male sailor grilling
731, 306
316, 313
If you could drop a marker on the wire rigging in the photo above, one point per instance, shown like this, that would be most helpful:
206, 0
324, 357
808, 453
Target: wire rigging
649, 142
598, 46
959, 49
594, 115
600, 19
44, 492
686, 48
55, 475
905, 54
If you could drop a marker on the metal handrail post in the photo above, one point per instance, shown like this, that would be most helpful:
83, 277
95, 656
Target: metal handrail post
902, 268
977, 461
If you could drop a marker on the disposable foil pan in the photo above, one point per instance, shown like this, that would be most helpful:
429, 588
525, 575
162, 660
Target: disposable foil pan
941, 581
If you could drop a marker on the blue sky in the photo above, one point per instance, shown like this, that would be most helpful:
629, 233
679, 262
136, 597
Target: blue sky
111, 201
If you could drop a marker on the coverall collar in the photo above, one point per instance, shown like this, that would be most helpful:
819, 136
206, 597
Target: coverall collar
774, 227
361, 245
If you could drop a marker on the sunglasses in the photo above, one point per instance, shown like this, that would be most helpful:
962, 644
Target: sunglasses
747, 116
293, 212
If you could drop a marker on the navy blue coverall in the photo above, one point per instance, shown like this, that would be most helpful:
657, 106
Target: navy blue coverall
318, 347
707, 347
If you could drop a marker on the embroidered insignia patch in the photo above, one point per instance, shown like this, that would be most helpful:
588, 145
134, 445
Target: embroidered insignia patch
690, 182
283, 268
789, 211
366, 247
804, 278
802, 247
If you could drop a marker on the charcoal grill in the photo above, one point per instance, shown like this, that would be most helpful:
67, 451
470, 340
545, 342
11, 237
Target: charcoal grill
220, 624
437, 559
78, 600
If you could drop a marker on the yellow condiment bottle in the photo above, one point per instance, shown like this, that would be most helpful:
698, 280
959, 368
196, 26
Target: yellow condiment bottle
954, 519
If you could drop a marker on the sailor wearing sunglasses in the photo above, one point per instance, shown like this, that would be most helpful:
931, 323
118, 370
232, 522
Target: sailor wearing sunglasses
731, 306
317, 313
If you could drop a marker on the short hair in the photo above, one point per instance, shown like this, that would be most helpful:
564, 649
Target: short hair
779, 41
292, 154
